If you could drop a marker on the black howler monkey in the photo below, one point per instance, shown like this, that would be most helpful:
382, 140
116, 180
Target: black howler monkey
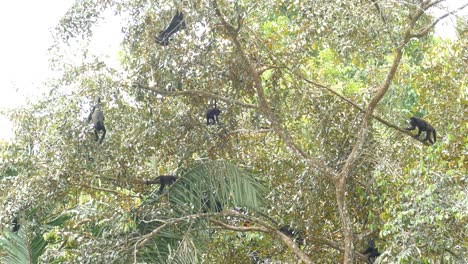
212, 114
16, 225
371, 252
206, 205
163, 180
422, 126
98, 120
177, 23
287, 230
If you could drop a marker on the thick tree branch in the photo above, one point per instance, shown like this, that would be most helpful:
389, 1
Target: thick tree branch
340, 183
264, 105
266, 228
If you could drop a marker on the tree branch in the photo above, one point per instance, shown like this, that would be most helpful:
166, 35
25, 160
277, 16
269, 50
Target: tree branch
265, 228
340, 183
247, 131
140, 243
426, 30
107, 190
356, 106
197, 93
264, 105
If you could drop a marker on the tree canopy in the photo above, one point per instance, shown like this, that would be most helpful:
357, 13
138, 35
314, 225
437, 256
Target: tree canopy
310, 160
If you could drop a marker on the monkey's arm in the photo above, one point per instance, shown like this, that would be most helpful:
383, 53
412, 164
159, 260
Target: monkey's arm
155, 181
91, 114
161, 188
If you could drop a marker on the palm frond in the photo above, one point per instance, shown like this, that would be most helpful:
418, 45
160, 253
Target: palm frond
20, 249
206, 187
213, 185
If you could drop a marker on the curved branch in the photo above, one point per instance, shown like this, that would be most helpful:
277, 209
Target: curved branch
426, 30
265, 228
360, 109
340, 183
264, 105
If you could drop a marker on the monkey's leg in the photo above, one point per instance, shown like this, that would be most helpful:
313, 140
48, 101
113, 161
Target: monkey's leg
96, 134
161, 188
103, 134
419, 132
428, 137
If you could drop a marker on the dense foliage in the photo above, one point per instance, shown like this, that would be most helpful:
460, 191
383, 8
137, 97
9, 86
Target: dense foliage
314, 98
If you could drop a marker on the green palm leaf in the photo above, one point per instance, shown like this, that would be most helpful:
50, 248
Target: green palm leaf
20, 249
209, 186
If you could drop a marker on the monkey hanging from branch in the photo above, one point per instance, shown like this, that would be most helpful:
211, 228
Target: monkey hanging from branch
98, 120
177, 23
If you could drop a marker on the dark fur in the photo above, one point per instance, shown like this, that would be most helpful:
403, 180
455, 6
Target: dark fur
163, 180
422, 126
212, 114
371, 252
177, 23
16, 225
287, 230
98, 120
206, 205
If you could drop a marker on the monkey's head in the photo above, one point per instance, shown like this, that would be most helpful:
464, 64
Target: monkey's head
413, 120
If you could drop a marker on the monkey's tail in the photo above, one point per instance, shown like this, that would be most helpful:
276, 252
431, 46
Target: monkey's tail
435, 138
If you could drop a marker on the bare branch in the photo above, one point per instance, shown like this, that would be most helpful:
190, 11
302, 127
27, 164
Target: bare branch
378, 10
240, 228
426, 30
